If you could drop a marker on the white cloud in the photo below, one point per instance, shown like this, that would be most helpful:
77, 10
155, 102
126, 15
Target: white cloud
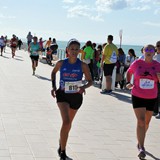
101, 7
108, 5
68, 1
151, 24
97, 18
157, 11
6, 17
84, 11
5, 7
142, 8
78, 10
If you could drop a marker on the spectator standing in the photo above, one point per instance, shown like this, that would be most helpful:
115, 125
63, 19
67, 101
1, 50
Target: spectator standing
120, 68
109, 59
88, 59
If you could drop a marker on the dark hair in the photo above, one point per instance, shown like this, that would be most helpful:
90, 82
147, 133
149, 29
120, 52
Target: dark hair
120, 50
94, 45
73, 41
89, 43
110, 37
35, 37
132, 52
54, 40
99, 47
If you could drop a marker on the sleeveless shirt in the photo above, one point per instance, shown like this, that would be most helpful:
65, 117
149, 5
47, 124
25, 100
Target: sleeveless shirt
70, 72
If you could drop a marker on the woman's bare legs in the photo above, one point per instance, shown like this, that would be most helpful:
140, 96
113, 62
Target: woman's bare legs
67, 115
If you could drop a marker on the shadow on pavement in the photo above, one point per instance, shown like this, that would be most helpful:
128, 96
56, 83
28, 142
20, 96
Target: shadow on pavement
121, 97
152, 156
42, 78
18, 59
5, 57
19, 56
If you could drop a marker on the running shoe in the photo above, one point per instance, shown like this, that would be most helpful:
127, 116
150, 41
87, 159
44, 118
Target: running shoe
142, 151
33, 72
106, 91
63, 156
158, 116
59, 151
142, 154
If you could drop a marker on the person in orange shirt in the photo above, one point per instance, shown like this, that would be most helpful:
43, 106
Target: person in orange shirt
48, 43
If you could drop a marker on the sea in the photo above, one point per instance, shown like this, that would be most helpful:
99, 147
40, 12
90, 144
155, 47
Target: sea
62, 46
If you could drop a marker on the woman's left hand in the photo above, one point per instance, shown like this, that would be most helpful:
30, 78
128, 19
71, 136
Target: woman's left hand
81, 90
129, 86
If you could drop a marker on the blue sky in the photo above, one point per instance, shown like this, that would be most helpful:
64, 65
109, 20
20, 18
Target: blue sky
85, 20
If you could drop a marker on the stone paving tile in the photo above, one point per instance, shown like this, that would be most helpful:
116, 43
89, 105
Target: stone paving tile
20, 157
20, 150
41, 149
104, 127
4, 153
5, 158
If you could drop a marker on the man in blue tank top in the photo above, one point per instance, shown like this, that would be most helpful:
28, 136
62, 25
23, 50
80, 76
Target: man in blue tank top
70, 85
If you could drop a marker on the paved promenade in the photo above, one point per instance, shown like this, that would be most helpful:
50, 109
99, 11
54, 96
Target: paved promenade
104, 128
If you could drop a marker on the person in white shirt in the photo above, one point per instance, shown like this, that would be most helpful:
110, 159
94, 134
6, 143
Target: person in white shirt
130, 58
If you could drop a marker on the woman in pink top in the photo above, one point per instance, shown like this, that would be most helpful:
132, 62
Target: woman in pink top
144, 92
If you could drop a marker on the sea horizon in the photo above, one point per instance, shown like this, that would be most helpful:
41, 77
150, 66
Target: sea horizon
62, 46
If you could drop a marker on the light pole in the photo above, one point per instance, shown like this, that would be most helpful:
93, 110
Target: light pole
120, 36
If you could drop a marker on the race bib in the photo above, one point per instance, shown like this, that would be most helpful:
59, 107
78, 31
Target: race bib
72, 87
34, 52
146, 84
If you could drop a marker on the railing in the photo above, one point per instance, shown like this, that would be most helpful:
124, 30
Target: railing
61, 54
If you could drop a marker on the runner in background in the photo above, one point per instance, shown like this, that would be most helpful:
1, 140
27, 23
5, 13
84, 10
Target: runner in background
13, 44
144, 93
20, 43
33, 49
29, 38
48, 43
71, 73
2, 44
5, 41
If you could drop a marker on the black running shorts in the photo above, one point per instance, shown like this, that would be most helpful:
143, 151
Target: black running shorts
73, 99
35, 58
143, 103
108, 69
